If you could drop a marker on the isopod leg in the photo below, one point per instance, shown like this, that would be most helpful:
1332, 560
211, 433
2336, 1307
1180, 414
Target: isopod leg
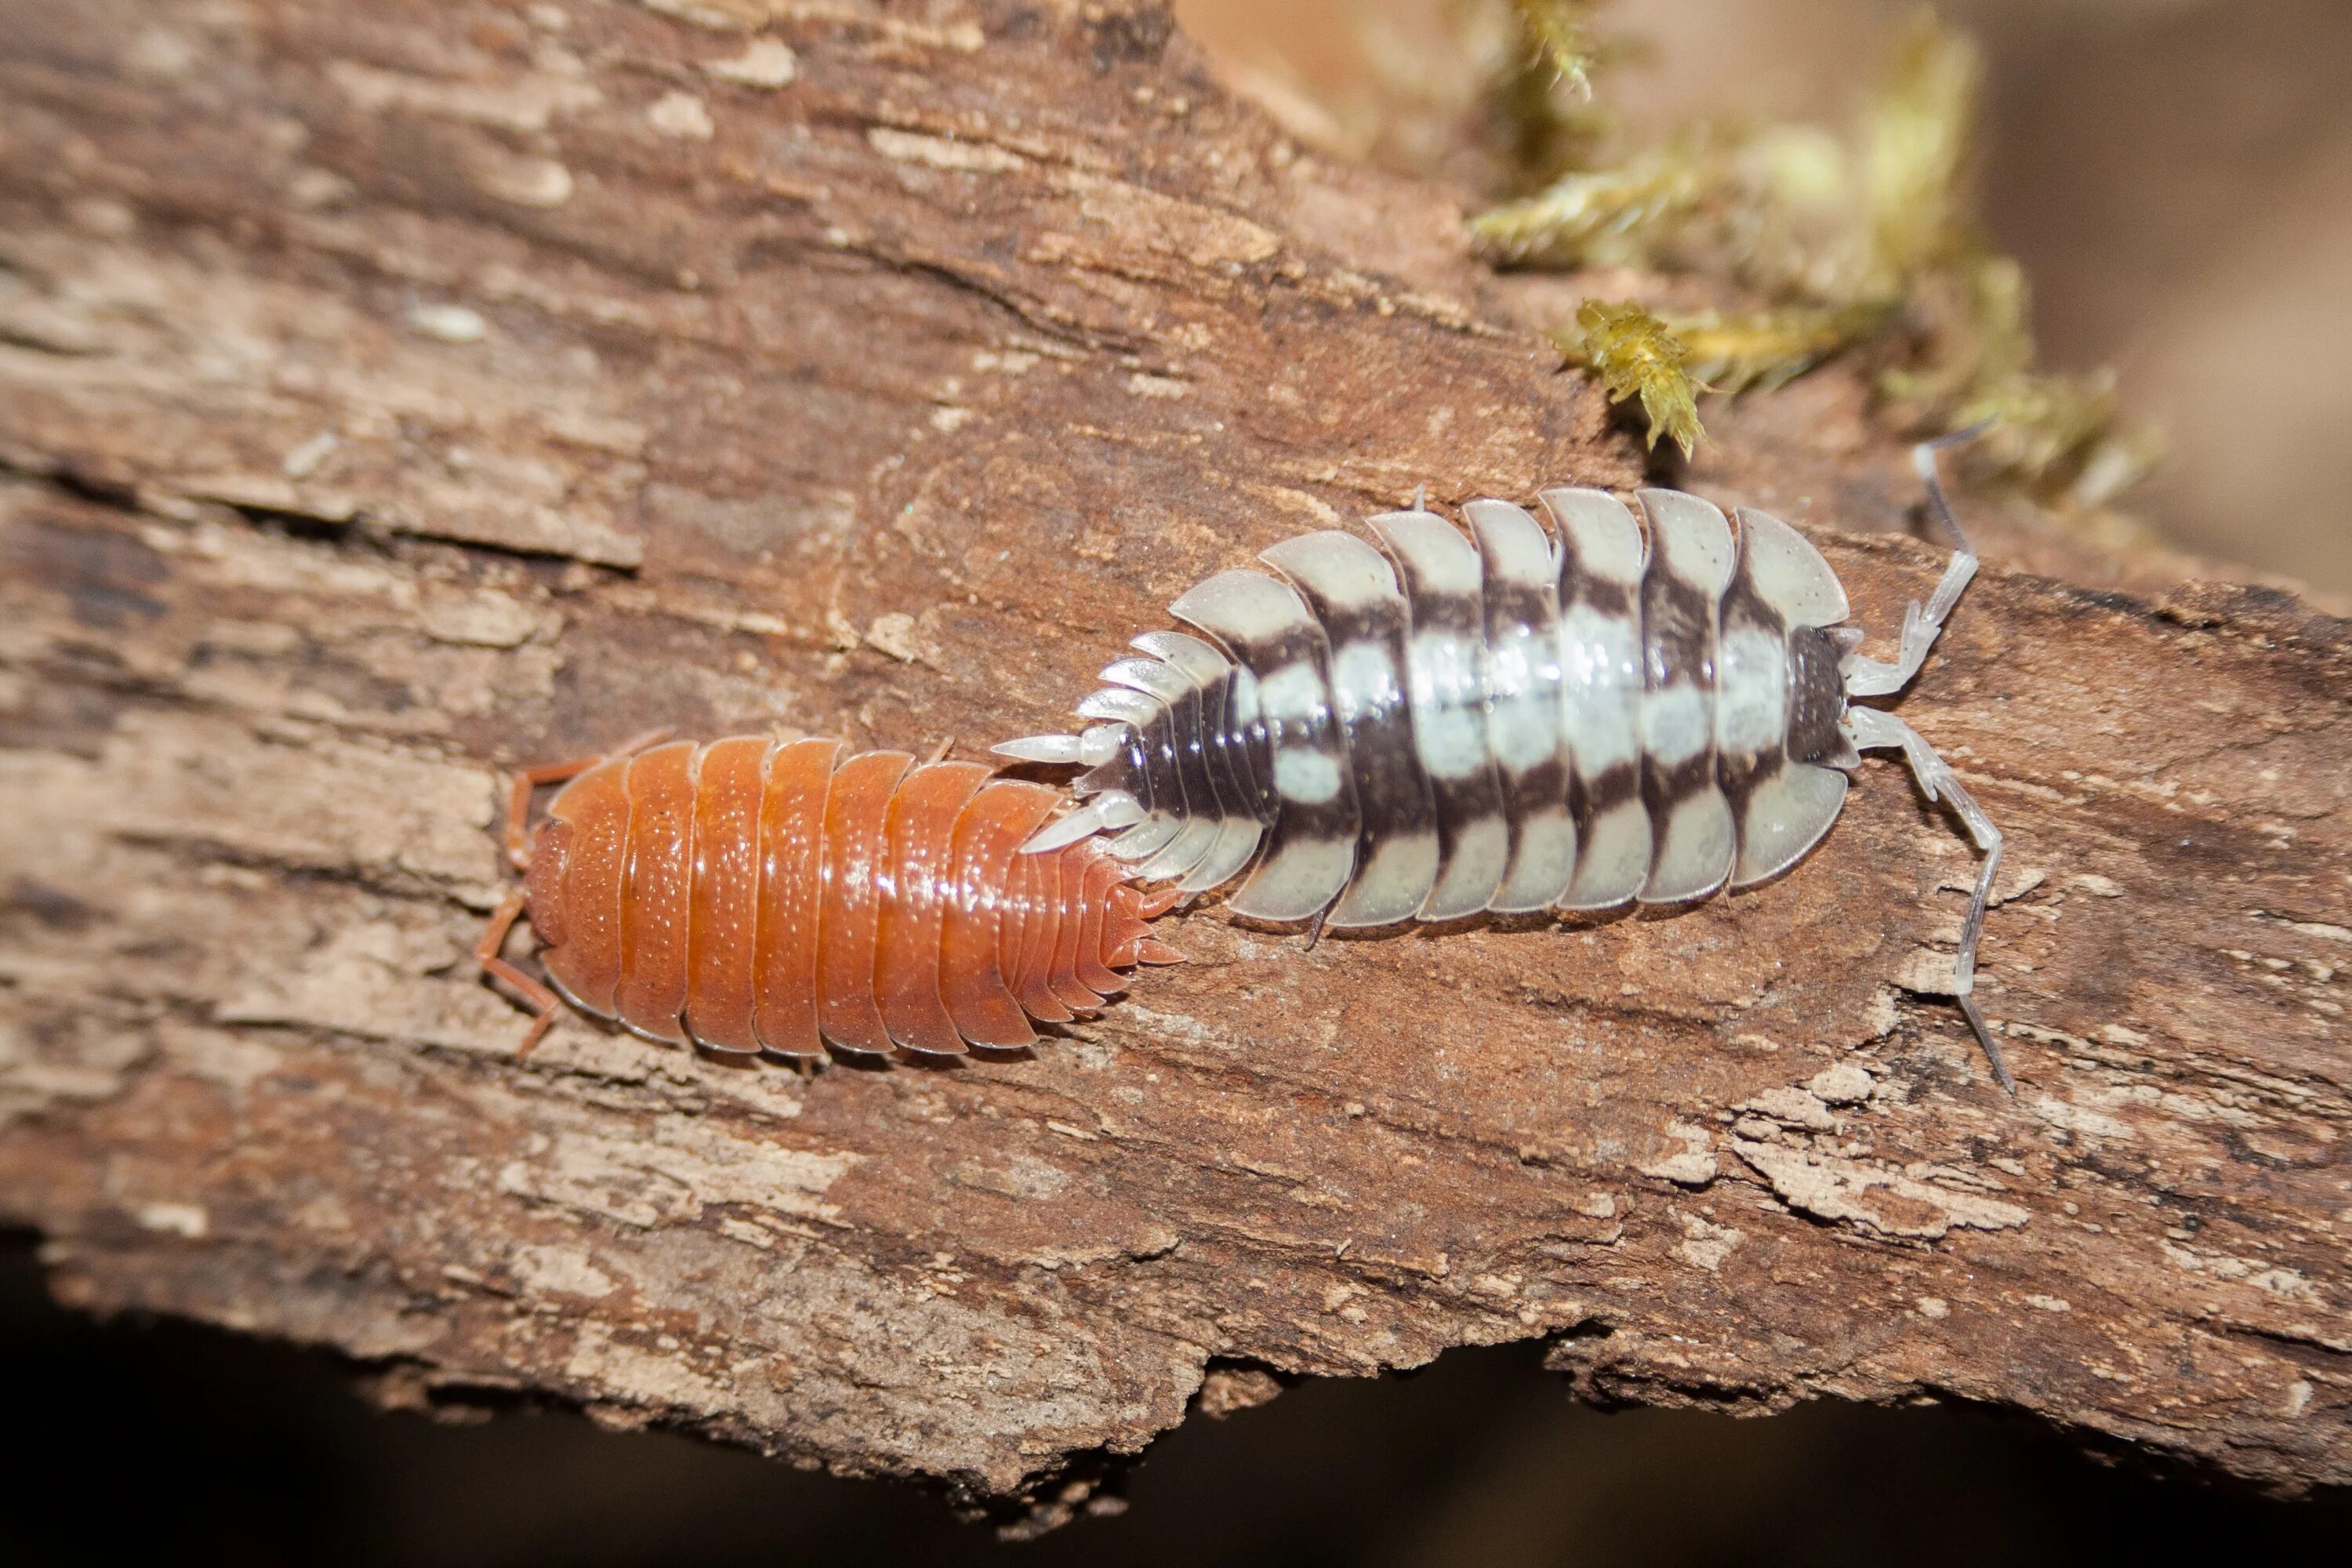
528, 780
1869, 728
538, 998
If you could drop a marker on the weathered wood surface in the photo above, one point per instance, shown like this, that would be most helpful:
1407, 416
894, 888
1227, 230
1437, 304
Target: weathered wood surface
395, 392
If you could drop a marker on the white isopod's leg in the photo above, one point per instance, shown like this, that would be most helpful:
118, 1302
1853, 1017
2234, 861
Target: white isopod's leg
1872, 677
1869, 729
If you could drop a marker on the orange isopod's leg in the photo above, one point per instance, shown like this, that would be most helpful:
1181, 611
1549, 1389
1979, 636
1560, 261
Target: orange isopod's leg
722, 916
792, 860
857, 880
652, 992
594, 809
971, 970
919, 833
540, 999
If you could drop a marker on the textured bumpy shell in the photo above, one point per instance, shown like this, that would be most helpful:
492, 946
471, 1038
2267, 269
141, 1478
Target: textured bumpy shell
752, 896
1514, 719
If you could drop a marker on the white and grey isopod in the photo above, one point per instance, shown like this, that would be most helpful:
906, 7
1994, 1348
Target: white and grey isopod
1567, 720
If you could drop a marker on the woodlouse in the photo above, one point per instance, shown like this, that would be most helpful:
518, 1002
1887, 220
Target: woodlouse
1575, 720
753, 897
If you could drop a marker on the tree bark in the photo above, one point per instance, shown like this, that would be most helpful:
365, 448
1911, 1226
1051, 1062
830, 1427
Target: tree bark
393, 394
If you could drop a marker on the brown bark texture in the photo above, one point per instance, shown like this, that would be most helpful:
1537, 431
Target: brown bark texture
393, 394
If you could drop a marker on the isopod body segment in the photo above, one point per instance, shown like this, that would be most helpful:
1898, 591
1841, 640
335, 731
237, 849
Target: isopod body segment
754, 897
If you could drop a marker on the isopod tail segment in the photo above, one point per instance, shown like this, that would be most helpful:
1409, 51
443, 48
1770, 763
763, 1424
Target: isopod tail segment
752, 897
1638, 704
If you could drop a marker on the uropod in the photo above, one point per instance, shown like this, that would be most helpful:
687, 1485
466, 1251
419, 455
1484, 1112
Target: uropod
1619, 710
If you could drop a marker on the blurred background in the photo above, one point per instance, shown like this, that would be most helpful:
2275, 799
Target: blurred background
2176, 176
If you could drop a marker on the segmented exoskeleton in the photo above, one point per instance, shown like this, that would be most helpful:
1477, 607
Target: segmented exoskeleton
1514, 720
756, 896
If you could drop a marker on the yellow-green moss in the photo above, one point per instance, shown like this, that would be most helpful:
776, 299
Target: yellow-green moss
1739, 351
1604, 217
1631, 353
1918, 158
1870, 245
1561, 32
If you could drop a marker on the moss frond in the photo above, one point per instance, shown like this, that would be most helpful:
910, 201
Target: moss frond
2038, 423
1603, 217
1974, 321
1541, 130
1733, 353
1540, 101
1632, 353
1561, 31
1919, 154
2063, 436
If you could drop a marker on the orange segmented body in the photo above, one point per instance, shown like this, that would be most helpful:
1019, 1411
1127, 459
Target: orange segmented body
748, 895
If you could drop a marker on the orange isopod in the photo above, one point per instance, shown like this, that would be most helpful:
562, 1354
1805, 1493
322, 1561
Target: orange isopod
749, 896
